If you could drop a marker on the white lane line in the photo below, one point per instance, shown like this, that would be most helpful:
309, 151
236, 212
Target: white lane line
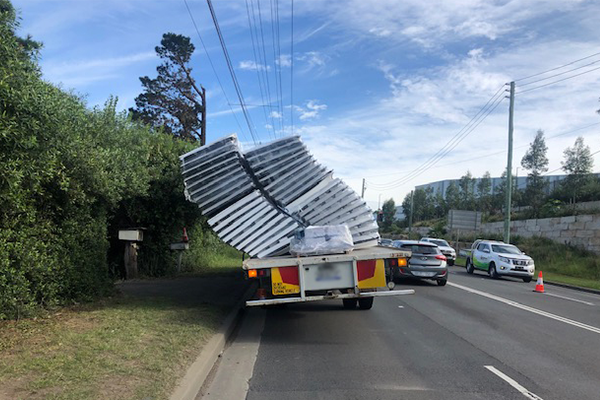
513, 383
400, 306
527, 308
569, 298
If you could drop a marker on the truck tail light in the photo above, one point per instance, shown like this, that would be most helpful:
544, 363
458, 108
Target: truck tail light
402, 262
441, 257
252, 273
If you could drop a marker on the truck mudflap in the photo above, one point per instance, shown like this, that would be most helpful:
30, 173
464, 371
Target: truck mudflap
331, 296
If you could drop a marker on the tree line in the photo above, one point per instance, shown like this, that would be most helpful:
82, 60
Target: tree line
469, 193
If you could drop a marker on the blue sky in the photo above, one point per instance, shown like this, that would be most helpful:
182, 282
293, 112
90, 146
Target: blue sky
379, 85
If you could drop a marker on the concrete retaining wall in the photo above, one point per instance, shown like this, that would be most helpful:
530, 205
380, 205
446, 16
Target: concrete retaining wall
579, 230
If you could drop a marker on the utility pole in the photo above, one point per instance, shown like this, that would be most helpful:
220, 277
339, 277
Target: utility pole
203, 126
362, 195
509, 165
412, 208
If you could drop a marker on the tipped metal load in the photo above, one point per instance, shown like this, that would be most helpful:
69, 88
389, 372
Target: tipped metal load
255, 201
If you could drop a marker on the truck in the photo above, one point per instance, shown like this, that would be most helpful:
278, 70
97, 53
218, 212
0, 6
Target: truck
261, 200
356, 277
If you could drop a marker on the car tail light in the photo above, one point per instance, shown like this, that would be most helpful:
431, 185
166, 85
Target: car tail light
441, 257
443, 273
393, 262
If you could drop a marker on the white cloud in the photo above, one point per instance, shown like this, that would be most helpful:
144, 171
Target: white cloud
311, 110
285, 60
81, 73
275, 114
250, 65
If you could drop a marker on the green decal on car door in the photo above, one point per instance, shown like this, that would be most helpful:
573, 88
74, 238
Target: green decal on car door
480, 264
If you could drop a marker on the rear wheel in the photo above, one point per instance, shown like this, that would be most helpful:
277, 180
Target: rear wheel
470, 267
527, 279
442, 282
365, 303
349, 304
450, 262
492, 271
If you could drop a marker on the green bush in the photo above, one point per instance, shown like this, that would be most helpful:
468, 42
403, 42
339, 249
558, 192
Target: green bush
70, 177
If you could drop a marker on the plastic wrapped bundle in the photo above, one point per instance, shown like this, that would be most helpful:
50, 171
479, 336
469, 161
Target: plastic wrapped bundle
317, 240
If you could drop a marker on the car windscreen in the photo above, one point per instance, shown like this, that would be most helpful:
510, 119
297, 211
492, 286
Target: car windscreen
439, 242
421, 249
505, 248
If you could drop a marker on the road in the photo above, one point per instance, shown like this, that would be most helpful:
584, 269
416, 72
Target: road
475, 338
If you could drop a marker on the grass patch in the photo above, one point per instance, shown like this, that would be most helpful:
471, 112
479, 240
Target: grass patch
569, 280
460, 261
120, 348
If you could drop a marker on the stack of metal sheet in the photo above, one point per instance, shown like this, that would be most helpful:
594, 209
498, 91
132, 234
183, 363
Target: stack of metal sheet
255, 201
216, 179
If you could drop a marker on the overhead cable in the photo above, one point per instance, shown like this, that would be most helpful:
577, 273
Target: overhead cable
214, 70
232, 71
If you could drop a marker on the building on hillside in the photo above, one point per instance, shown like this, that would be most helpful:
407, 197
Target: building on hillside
521, 183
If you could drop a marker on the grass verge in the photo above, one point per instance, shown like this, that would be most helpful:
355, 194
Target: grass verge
120, 348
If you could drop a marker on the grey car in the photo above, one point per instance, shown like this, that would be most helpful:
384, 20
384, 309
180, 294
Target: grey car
426, 262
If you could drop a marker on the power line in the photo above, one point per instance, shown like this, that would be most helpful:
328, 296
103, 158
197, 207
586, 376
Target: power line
556, 68
560, 80
277, 55
494, 153
557, 169
559, 74
292, 72
453, 142
231, 70
264, 51
258, 73
214, 70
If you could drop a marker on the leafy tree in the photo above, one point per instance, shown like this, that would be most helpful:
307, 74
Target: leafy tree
578, 165
452, 197
466, 185
483, 192
389, 211
536, 161
172, 100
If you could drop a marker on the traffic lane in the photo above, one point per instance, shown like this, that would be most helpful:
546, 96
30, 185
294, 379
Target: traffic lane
580, 306
322, 351
560, 358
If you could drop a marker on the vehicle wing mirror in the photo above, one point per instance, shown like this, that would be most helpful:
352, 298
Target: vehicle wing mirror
486, 250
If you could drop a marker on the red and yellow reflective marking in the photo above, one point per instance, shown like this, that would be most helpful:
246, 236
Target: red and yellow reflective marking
371, 273
284, 280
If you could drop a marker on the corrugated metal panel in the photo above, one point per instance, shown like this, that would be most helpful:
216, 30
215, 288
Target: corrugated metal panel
255, 201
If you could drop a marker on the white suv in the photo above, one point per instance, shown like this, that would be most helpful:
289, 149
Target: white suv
444, 247
498, 258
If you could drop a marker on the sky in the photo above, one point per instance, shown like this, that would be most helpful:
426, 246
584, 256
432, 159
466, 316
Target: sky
375, 88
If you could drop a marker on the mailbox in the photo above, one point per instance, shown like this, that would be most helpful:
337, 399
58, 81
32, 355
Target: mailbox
131, 235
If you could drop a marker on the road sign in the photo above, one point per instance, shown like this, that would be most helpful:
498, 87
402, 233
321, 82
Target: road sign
464, 220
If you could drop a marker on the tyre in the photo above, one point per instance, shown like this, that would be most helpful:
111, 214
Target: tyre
469, 266
365, 303
492, 271
349, 304
450, 262
442, 282
527, 280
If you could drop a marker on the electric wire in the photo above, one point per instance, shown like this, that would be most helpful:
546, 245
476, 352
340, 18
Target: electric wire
262, 38
491, 154
559, 74
413, 176
275, 64
558, 169
560, 80
452, 142
292, 70
279, 64
232, 71
258, 73
214, 70
557, 68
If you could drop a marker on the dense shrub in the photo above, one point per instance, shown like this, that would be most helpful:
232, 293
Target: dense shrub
70, 177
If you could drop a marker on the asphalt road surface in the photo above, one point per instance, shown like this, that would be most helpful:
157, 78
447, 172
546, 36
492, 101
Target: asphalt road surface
475, 338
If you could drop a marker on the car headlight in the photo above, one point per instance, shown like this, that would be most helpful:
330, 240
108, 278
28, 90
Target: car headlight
504, 259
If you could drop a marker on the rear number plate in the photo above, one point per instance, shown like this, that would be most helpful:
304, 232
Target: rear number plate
328, 272
423, 274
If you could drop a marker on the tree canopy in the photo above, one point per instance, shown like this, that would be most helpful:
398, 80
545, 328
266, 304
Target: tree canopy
173, 101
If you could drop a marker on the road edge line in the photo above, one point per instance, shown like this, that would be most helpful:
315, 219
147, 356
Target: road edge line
523, 390
189, 386
573, 287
